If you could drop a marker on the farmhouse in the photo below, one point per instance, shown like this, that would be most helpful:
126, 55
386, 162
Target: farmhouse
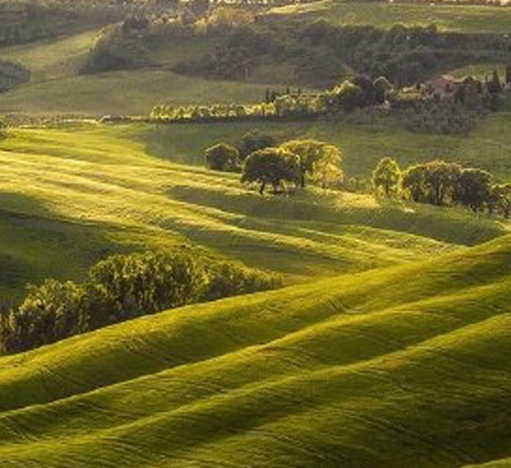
443, 87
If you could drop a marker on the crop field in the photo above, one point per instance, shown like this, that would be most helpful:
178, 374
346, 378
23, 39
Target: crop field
388, 342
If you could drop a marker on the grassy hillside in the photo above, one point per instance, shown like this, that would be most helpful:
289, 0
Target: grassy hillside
364, 142
463, 18
79, 194
52, 58
407, 366
57, 87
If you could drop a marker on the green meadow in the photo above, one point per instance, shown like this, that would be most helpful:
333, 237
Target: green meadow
461, 18
364, 142
81, 193
397, 367
388, 345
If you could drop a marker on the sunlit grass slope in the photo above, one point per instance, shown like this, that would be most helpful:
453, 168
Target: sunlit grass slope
363, 142
400, 367
56, 86
462, 18
79, 194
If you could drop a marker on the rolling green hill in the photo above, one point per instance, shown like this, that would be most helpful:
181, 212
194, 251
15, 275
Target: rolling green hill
82, 193
405, 366
364, 141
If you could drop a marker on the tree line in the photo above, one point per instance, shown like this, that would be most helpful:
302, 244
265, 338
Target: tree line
262, 160
417, 108
442, 183
120, 288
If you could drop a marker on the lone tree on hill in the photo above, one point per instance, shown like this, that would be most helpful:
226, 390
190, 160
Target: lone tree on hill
313, 156
223, 157
387, 177
271, 166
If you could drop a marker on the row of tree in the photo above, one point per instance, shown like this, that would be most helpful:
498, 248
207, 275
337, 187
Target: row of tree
263, 161
358, 92
120, 288
443, 183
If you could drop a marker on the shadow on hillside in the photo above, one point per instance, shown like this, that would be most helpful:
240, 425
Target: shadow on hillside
36, 244
333, 211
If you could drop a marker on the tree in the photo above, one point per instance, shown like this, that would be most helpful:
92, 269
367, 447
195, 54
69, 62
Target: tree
327, 170
126, 286
494, 86
348, 96
50, 312
474, 188
368, 89
310, 153
253, 141
382, 86
387, 176
271, 166
441, 179
413, 182
434, 182
502, 197
222, 157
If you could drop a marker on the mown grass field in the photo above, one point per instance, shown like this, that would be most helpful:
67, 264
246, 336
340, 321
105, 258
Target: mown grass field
462, 18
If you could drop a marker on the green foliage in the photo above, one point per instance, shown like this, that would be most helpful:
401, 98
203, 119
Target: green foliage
382, 86
227, 279
272, 166
253, 141
118, 48
120, 288
315, 157
474, 188
348, 96
387, 177
435, 182
439, 117
223, 157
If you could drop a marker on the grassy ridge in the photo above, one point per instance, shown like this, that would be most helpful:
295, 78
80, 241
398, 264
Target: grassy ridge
408, 365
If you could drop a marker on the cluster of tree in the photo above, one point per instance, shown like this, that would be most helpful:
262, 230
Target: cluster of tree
405, 55
120, 288
264, 163
358, 92
443, 183
445, 117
